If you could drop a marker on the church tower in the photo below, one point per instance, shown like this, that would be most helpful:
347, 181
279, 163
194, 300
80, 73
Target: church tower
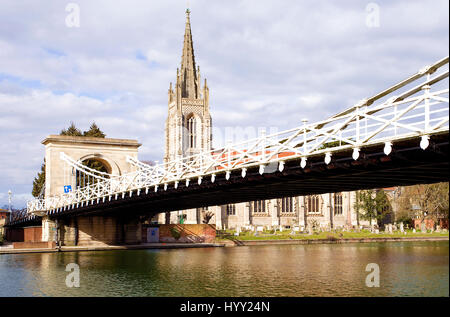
188, 125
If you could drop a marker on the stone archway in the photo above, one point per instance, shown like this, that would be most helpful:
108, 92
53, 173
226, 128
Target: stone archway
111, 167
96, 162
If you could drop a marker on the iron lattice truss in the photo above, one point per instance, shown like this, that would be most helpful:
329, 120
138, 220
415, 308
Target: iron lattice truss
415, 108
21, 216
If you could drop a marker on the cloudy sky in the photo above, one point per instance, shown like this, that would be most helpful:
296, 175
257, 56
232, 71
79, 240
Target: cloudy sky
268, 63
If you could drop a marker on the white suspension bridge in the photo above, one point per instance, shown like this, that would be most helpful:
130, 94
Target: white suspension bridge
414, 110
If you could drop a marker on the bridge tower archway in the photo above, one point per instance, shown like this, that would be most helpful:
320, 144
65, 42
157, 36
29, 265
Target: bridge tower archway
106, 153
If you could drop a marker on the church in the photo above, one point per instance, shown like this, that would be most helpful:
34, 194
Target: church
188, 131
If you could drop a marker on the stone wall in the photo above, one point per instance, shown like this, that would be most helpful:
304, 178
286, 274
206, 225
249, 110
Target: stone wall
100, 230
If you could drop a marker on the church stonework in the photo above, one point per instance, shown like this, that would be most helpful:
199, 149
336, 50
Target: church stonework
188, 132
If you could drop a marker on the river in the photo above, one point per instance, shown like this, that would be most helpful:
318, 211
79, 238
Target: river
406, 269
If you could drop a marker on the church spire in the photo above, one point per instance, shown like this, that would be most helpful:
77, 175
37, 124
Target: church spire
188, 72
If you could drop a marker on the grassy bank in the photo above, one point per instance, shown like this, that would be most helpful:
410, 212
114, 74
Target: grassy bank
285, 235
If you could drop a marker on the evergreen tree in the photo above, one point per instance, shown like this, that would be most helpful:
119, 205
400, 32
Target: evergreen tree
71, 131
94, 131
374, 204
39, 182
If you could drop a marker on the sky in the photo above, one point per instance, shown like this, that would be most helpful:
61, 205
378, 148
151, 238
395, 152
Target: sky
268, 64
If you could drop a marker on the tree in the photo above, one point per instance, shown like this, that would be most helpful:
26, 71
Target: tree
71, 131
429, 200
39, 182
372, 204
94, 131
422, 201
435, 200
208, 216
406, 199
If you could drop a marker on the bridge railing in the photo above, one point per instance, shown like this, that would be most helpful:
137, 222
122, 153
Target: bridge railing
413, 108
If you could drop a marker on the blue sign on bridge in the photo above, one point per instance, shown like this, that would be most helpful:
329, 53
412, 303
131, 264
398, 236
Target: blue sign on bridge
67, 188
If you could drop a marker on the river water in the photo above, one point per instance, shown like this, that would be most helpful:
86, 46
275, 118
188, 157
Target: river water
406, 269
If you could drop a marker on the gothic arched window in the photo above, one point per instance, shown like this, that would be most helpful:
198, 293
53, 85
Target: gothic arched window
231, 209
259, 206
338, 204
286, 205
192, 135
313, 204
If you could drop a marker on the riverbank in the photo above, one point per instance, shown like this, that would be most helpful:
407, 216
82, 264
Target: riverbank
251, 240
327, 237
235, 242
114, 247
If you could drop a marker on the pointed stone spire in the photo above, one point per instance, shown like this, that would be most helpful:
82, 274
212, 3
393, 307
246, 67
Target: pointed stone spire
188, 71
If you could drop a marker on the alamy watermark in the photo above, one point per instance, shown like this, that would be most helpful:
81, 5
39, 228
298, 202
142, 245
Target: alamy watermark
372, 15
73, 278
373, 278
73, 18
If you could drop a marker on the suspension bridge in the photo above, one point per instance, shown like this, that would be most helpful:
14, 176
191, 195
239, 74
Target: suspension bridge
397, 137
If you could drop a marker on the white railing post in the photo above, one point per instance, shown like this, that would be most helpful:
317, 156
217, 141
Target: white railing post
358, 136
263, 144
304, 121
229, 154
426, 91
395, 123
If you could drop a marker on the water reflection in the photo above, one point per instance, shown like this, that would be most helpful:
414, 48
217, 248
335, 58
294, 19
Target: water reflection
407, 269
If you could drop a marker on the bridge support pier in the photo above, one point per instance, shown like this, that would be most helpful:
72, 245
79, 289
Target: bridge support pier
92, 230
48, 229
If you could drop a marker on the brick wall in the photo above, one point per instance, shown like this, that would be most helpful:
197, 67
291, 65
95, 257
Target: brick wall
34, 245
14, 234
32, 234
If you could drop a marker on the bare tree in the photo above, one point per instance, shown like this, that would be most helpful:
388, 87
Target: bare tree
207, 217
424, 201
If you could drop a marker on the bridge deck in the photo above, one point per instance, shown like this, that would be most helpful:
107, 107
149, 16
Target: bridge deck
408, 164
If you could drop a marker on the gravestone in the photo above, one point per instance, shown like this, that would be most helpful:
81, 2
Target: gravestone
423, 228
401, 227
